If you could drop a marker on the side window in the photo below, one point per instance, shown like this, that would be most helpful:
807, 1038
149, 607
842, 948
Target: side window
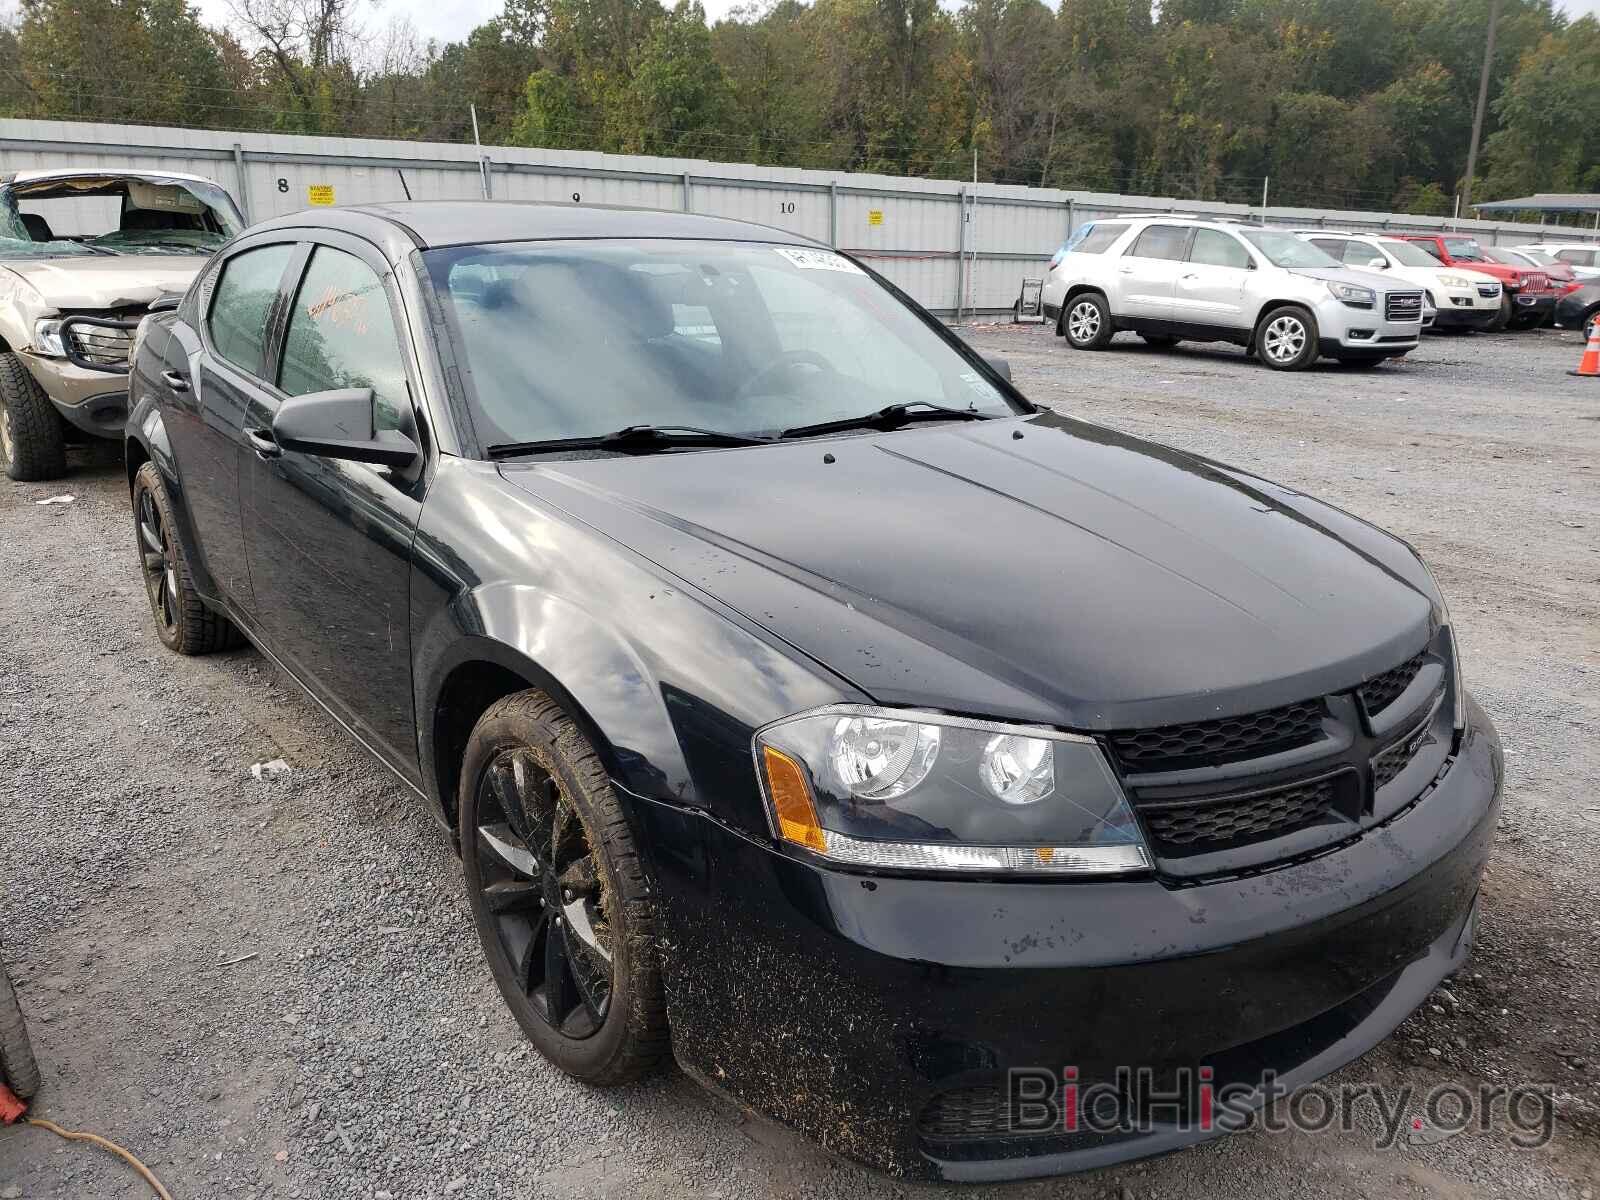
342, 335
1218, 249
1359, 254
1096, 238
1580, 258
241, 302
1333, 246
1432, 248
1160, 241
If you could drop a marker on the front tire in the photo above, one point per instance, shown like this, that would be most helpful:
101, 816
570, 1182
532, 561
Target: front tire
1286, 339
183, 622
558, 893
1503, 317
32, 441
1086, 322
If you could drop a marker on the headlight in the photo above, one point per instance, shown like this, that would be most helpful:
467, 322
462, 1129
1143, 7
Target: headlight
1460, 281
879, 787
47, 338
1458, 690
1356, 297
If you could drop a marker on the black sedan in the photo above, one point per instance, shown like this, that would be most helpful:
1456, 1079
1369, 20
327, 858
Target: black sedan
807, 706
1579, 309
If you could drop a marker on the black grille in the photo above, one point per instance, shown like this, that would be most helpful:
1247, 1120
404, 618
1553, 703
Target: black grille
964, 1113
1383, 690
1211, 823
1228, 739
1388, 765
1403, 306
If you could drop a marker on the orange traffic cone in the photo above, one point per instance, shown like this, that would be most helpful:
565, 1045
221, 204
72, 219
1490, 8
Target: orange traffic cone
1589, 364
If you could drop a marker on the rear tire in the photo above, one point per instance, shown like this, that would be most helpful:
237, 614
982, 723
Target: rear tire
32, 441
1086, 322
183, 622
18, 1069
1286, 339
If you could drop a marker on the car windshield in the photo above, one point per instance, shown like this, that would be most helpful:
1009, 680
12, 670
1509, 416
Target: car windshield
112, 214
1408, 254
570, 340
1287, 250
1511, 258
1465, 249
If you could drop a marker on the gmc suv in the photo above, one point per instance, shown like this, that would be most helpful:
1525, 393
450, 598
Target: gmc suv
1170, 279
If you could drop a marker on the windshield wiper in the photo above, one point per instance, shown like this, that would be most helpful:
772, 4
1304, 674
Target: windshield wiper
641, 437
891, 416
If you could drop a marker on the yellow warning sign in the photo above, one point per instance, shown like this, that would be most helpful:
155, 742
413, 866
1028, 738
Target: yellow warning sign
874, 216
320, 193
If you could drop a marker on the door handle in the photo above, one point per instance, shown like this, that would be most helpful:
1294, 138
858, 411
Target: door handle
1125, 270
175, 381
1191, 275
262, 443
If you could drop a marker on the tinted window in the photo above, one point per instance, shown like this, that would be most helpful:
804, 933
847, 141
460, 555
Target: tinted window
341, 335
240, 304
1160, 241
1096, 238
1582, 258
1334, 246
1218, 249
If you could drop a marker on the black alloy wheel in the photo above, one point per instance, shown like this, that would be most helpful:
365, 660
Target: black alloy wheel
160, 567
538, 878
558, 893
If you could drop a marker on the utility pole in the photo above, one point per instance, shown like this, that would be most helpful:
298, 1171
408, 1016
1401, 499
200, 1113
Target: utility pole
1483, 102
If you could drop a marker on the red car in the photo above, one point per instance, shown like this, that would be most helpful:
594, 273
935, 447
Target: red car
1526, 295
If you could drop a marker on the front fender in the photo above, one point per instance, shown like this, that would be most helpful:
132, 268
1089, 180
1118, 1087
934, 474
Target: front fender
668, 683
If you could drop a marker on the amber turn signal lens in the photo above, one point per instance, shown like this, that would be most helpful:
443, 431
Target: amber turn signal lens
791, 801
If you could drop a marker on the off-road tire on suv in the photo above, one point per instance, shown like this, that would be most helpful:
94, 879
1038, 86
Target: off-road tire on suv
183, 621
545, 849
18, 1070
1086, 322
32, 441
1286, 338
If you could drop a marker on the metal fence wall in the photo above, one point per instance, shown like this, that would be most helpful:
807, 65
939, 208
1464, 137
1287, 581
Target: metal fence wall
959, 248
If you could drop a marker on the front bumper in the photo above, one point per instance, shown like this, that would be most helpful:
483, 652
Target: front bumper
1454, 317
875, 1013
1540, 307
92, 401
1345, 332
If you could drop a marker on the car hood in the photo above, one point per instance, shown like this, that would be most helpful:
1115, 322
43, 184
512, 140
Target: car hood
100, 281
1072, 575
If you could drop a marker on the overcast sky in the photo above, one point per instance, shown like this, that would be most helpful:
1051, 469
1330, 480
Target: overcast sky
453, 21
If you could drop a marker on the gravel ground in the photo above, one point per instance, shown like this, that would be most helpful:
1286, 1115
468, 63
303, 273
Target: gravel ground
361, 1049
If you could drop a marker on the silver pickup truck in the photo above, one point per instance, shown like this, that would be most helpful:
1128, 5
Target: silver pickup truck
83, 256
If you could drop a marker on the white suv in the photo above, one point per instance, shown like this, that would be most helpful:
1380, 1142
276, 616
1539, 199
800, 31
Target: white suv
1170, 279
1583, 259
1465, 299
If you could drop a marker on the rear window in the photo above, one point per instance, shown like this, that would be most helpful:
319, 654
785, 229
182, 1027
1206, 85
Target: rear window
1161, 241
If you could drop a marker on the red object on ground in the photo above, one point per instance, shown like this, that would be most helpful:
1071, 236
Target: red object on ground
11, 1108
1589, 364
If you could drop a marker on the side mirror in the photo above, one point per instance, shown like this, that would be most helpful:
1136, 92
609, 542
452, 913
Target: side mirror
1378, 264
338, 424
999, 366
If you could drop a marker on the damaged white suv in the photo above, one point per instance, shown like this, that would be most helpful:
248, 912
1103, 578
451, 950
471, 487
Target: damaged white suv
83, 256
1173, 279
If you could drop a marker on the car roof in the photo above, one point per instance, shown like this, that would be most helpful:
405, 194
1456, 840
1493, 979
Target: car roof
403, 226
96, 173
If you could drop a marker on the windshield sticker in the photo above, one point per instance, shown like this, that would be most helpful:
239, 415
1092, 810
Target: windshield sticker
818, 260
978, 384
